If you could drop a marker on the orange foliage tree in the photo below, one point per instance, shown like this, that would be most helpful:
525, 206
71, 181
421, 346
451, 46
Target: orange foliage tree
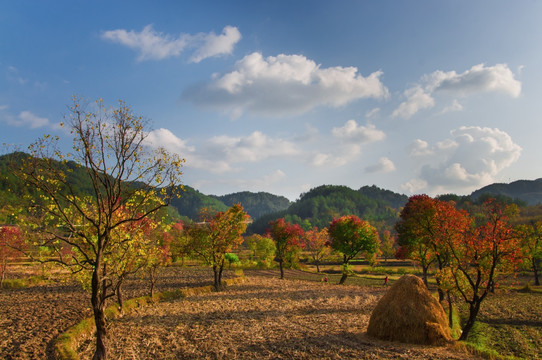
485, 250
317, 244
217, 235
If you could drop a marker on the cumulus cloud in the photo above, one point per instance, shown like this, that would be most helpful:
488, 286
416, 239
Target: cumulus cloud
25, 119
214, 45
352, 132
417, 99
478, 79
252, 148
384, 165
284, 85
153, 45
349, 140
454, 106
471, 158
169, 141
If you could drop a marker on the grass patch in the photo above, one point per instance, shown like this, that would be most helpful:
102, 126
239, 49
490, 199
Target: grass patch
20, 283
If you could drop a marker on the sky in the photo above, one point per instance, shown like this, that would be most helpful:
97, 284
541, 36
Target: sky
283, 96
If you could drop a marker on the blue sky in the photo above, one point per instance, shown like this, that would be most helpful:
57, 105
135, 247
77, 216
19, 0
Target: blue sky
282, 96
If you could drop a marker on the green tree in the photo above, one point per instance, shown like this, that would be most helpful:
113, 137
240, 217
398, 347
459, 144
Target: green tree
262, 248
531, 243
126, 176
350, 235
387, 247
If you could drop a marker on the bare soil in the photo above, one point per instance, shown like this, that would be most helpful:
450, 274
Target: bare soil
31, 318
263, 318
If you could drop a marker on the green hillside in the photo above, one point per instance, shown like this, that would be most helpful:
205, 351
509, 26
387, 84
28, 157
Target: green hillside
529, 191
321, 205
256, 204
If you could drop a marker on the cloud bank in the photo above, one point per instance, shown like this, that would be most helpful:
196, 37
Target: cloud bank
470, 159
478, 79
284, 85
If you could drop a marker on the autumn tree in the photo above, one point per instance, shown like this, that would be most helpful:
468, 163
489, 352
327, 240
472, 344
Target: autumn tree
417, 230
350, 235
317, 245
127, 178
286, 236
483, 252
262, 249
531, 243
387, 247
216, 235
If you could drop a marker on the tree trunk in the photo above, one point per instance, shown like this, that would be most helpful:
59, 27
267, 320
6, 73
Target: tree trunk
281, 269
99, 314
345, 271
216, 281
318, 266
343, 278
152, 276
535, 270
473, 313
440, 292
220, 275
424, 276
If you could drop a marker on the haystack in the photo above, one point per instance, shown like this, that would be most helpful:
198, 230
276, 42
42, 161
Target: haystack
408, 313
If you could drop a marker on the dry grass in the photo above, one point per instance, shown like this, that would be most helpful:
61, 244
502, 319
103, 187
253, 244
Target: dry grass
263, 318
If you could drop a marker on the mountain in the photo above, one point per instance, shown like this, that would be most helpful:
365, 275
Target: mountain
321, 205
529, 191
256, 204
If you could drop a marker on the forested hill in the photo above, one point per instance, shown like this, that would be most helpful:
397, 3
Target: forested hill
256, 204
320, 205
529, 191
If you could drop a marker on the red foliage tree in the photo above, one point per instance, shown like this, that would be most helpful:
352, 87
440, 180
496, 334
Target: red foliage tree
286, 236
479, 255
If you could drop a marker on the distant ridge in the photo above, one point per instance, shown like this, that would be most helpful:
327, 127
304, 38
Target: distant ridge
529, 191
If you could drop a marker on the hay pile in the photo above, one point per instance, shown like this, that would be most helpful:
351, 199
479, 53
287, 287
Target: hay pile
408, 313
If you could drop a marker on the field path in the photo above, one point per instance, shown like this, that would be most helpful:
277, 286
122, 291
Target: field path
263, 318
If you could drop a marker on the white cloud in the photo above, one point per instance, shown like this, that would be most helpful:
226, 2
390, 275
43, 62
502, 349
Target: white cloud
470, 159
454, 106
417, 99
214, 45
284, 85
26, 119
252, 148
478, 79
372, 113
384, 165
352, 132
153, 45
169, 141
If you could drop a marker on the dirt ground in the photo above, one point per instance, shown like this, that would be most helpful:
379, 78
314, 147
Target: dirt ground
263, 318
30, 318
